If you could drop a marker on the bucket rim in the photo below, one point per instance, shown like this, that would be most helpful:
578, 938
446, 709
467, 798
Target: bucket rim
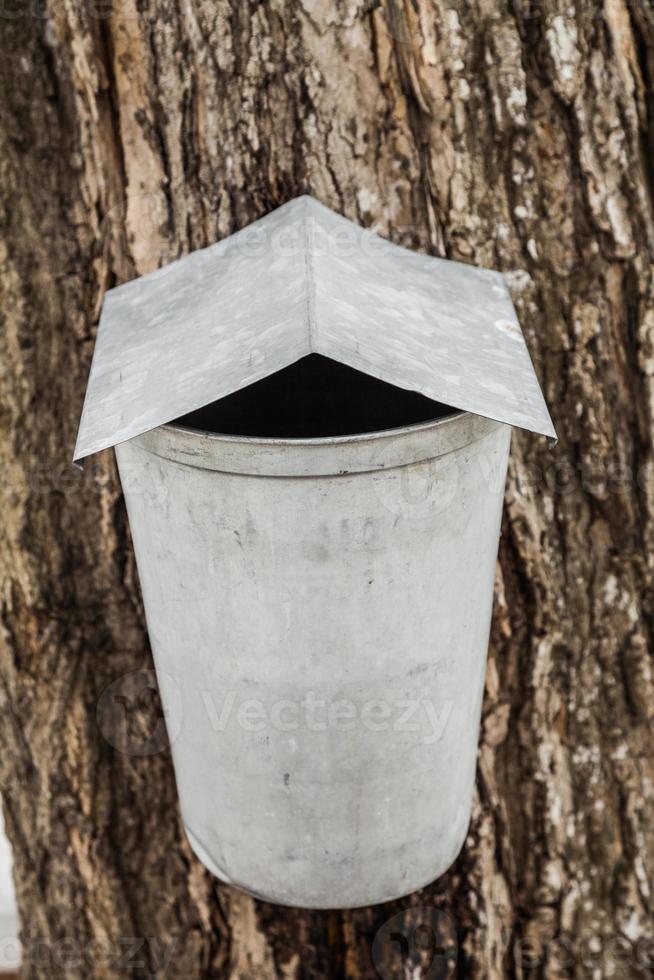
335, 456
355, 437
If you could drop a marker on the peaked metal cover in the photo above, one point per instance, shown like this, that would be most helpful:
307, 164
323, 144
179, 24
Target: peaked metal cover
305, 280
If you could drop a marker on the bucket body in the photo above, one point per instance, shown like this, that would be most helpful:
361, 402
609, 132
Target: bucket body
319, 614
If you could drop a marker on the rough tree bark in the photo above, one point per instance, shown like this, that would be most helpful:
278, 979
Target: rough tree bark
516, 134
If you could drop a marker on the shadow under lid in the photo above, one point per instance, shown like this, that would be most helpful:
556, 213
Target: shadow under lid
314, 398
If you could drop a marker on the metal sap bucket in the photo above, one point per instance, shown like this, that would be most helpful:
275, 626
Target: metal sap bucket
319, 614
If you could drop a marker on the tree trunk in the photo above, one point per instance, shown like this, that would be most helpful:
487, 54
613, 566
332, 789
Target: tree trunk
516, 134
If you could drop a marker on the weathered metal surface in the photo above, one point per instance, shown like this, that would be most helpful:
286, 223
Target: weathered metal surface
319, 611
302, 280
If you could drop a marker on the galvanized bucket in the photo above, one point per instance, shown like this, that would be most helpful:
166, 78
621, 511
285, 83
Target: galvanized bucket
320, 610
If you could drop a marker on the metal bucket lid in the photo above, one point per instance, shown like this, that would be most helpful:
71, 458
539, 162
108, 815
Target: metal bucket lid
305, 280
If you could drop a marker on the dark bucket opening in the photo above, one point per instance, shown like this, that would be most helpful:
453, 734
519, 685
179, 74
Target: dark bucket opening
312, 399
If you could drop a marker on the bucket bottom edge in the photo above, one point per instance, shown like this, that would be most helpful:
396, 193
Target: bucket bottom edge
203, 856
